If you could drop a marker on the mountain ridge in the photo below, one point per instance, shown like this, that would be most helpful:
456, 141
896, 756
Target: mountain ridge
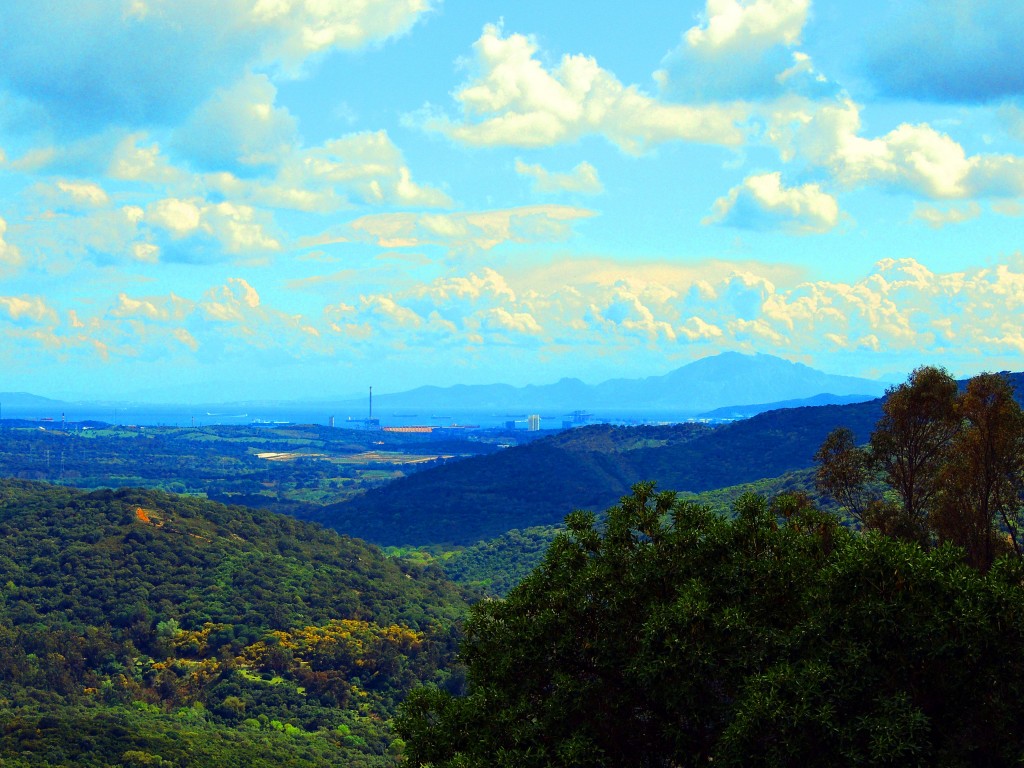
726, 379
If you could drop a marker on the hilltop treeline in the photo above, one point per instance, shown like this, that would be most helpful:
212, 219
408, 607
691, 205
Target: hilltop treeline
943, 464
589, 468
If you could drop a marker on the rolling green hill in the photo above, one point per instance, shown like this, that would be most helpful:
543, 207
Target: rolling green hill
590, 468
482, 497
138, 627
496, 565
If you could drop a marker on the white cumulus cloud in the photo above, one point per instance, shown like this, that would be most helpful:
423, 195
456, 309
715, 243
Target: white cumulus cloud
236, 228
83, 193
180, 217
762, 202
10, 255
239, 126
743, 49
133, 162
936, 218
914, 157
303, 27
517, 101
28, 309
673, 312
582, 179
736, 25
368, 165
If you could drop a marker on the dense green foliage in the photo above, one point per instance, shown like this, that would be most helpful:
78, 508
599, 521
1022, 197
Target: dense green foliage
143, 628
497, 565
140, 621
140, 735
671, 636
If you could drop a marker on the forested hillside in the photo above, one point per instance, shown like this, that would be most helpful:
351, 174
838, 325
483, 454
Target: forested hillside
138, 626
589, 468
496, 565
483, 497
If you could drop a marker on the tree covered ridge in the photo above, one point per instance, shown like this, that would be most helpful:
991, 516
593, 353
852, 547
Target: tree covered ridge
525, 486
671, 636
591, 468
198, 561
155, 615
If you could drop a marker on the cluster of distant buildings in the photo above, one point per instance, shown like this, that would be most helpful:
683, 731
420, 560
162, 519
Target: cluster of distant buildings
450, 429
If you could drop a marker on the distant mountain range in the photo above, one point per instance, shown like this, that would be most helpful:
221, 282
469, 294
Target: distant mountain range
741, 384
728, 379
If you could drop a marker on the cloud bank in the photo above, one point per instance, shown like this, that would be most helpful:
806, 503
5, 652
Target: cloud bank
659, 311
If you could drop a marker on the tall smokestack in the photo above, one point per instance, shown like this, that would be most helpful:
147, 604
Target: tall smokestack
371, 402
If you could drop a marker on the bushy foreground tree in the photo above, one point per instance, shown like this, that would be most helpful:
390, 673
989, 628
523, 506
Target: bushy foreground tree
670, 636
953, 463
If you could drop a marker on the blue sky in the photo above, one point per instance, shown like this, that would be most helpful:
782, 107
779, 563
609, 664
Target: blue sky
292, 198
